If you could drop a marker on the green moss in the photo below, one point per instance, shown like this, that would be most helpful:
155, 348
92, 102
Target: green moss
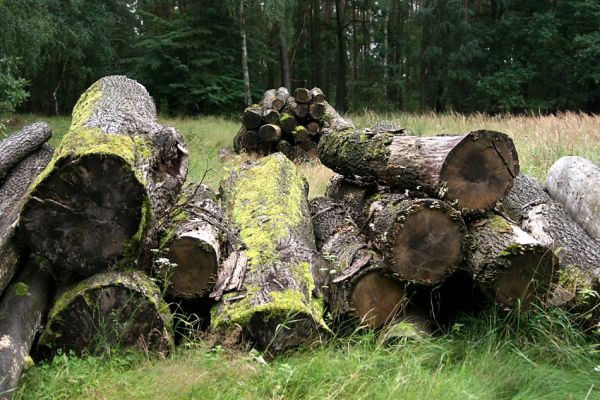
499, 224
579, 283
300, 128
21, 289
284, 116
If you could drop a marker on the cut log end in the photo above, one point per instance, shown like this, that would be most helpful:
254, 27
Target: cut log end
377, 299
496, 161
197, 267
87, 211
428, 246
527, 277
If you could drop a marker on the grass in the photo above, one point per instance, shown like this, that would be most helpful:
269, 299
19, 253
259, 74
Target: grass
492, 356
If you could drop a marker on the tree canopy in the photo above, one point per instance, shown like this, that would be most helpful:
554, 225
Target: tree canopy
442, 55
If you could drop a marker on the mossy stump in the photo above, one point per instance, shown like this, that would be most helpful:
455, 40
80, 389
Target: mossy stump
269, 289
112, 309
422, 240
510, 266
475, 170
357, 283
116, 169
192, 239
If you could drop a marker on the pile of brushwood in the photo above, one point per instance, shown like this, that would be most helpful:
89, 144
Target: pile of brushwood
100, 241
291, 125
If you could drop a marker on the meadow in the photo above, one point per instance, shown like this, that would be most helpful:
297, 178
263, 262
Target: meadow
492, 355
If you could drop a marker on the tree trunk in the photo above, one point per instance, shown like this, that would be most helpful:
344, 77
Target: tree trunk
115, 171
333, 120
575, 183
281, 97
510, 266
21, 144
476, 169
12, 198
269, 133
317, 95
548, 222
110, 309
302, 95
246, 74
420, 240
285, 61
247, 93
359, 285
340, 91
22, 309
351, 194
275, 287
252, 117
193, 240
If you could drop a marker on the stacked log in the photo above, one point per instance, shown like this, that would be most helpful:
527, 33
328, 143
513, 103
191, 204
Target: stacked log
290, 124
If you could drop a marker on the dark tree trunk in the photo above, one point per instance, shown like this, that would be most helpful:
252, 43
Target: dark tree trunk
22, 310
193, 239
21, 144
509, 265
285, 61
111, 309
271, 283
359, 285
420, 240
340, 91
476, 169
12, 197
115, 171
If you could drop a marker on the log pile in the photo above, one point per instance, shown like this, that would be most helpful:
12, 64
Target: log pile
289, 124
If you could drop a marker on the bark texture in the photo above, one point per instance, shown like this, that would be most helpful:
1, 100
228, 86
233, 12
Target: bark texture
317, 95
112, 309
115, 171
475, 170
353, 194
358, 284
12, 198
334, 120
252, 117
270, 291
22, 310
421, 240
193, 239
575, 183
509, 265
20, 144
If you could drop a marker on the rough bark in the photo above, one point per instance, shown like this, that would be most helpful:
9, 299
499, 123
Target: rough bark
246, 140
317, 95
269, 133
302, 95
334, 120
420, 240
12, 198
111, 309
193, 240
575, 183
358, 285
548, 222
246, 74
299, 110
475, 169
22, 309
281, 98
20, 144
252, 117
509, 265
317, 111
268, 98
273, 286
353, 194
271, 116
115, 171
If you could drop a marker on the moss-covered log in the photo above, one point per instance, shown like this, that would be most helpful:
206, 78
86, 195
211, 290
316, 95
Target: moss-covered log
476, 169
12, 197
252, 117
19, 145
274, 298
22, 310
509, 265
288, 123
193, 240
575, 183
421, 240
300, 135
548, 222
358, 284
317, 95
116, 170
112, 309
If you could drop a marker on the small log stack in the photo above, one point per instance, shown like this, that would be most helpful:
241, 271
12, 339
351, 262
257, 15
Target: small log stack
290, 124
